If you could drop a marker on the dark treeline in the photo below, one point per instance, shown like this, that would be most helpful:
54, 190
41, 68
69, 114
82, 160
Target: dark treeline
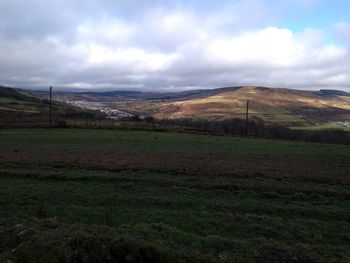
258, 128
74, 117
61, 113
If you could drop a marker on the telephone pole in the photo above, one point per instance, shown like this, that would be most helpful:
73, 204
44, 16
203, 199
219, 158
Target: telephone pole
246, 119
50, 104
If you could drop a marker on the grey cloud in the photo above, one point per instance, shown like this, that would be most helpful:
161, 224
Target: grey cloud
157, 45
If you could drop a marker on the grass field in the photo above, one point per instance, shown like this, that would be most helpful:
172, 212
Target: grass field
80, 195
322, 127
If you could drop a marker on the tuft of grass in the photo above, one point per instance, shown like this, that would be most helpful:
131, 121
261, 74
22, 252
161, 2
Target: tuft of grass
41, 212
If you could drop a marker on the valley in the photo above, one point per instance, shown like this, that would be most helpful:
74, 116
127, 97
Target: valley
291, 108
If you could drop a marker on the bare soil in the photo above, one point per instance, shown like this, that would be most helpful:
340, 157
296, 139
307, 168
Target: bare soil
315, 168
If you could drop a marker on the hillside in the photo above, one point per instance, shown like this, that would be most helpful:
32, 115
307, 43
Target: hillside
283, 106
274, 105
12, 100
19, 106
6, 92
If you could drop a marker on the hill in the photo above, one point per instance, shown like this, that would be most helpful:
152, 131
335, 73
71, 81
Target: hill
274, 105
20, 106
12, 100
6, 92
282, 106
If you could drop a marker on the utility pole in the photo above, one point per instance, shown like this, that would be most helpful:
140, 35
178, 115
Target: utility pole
246, 119
50, 104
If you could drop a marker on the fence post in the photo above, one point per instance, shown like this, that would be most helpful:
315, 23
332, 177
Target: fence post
246, 119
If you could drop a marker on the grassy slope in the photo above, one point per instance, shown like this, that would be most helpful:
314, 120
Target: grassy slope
260, 217
161, 142
21, 107
13, 100
323, 127
277, 106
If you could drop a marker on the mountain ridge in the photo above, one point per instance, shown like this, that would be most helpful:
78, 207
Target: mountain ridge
284, 106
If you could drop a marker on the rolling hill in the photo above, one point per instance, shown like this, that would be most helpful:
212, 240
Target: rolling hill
20, 106
12, 100
283, 106
286, 107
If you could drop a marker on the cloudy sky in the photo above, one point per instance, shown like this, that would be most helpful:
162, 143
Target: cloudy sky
174, 45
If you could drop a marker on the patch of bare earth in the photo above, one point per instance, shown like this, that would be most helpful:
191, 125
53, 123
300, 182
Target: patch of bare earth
314, 168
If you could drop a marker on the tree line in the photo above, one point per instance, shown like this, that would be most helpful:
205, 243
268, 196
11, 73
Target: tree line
256, 127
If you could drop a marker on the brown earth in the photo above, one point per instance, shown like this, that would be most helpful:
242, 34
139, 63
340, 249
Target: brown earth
263, 101
317, 169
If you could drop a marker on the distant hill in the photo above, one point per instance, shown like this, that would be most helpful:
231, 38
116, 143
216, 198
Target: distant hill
9, 93
121, 93
190, 94
274, 105
19, 106
325, 92
138, 95
18, 101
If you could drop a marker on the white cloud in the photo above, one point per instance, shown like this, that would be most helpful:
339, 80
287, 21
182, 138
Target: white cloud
108, 31
271, 47
342, 30
165, 47
131, 60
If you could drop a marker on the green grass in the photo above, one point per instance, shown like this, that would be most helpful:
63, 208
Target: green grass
50, 213
277, 111
10, 101
160, 142
322, 127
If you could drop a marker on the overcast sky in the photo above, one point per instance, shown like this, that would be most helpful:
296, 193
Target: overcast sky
175, 45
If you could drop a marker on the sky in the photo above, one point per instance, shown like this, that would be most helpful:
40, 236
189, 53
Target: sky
173, 45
